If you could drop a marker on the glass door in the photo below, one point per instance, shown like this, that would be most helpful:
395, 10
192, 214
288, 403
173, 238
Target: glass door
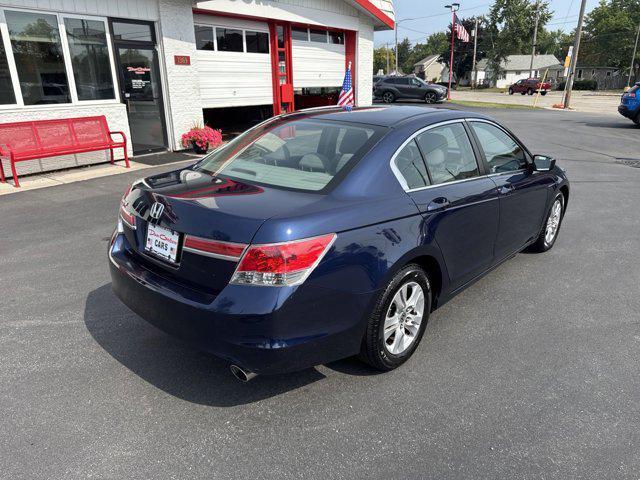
140, 86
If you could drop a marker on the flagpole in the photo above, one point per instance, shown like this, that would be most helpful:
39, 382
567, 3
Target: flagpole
453, 7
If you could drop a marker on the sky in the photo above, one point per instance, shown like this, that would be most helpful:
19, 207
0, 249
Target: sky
565, 17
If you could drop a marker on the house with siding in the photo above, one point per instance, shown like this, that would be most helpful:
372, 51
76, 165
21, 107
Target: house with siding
514, 68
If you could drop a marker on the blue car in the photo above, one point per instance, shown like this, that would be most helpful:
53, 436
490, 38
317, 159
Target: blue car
630, 104
325, 234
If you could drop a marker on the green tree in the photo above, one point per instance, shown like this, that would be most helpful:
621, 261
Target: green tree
380, 59
609, 34
510, 27
463, 51
404, 51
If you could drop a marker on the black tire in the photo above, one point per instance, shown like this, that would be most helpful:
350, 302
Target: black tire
374, 351
543, 93
530, 91
637, 119
523, 93
541, 244
431, 97
388, 97
510, 91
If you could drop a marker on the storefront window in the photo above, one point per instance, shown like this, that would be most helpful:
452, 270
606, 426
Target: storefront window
257, 42
7, 96
229, 40
136, 32
90, 59
37, 50
204, 38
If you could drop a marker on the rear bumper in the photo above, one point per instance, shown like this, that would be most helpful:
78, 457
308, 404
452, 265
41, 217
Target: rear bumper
262, 329
627, 112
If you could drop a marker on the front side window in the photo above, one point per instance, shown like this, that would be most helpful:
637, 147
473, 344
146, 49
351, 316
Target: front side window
410, 165
415, 82
448, 153
7, 97
257, 42
301, 154
503, 154
37, 50
204, 37
229, 40
90, 58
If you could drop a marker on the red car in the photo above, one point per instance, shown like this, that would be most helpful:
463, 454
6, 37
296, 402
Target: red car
530, 86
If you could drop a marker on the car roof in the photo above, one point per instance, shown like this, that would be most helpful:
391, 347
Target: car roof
387, 116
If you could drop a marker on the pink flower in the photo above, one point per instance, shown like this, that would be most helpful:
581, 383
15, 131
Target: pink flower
203, 137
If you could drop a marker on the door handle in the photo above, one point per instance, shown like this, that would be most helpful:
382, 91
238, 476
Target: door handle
436, 204
506, 188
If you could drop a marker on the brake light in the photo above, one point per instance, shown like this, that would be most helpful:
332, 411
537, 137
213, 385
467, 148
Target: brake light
214, 248
126, 217
281, 264
631, 95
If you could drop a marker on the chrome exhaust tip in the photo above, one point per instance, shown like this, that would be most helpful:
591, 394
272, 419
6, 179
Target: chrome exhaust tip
242, 374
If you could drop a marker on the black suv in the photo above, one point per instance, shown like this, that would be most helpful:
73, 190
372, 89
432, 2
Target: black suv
391, 89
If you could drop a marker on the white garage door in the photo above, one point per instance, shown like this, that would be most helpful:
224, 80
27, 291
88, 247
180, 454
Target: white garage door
317, 63
233, 60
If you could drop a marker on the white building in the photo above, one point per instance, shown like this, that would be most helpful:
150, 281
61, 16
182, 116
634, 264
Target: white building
516, 67
155, 68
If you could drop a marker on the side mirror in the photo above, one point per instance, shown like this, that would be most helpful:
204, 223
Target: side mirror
543, 163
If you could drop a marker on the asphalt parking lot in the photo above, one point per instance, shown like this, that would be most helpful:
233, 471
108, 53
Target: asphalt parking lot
530, 373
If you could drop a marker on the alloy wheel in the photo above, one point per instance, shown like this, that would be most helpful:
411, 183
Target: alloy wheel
553, 222
387, 97
430, 97
403, 318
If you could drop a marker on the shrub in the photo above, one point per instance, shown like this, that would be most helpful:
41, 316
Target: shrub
581, 85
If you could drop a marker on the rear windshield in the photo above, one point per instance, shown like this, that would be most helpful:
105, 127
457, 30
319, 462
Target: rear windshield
298, 154
635, 88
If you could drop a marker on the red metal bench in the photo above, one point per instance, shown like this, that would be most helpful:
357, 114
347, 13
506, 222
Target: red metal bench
21, 141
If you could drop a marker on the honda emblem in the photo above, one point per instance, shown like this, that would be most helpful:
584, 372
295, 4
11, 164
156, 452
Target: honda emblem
156, 210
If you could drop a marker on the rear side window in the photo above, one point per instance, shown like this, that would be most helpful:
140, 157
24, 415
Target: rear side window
502, 152
448, 153
411, 167
299, 154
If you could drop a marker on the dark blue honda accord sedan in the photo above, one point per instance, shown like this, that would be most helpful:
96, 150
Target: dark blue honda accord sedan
324, 234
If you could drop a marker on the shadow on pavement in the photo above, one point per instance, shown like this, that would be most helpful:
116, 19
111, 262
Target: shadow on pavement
174, 366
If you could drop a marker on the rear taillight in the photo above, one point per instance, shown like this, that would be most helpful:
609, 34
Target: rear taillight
125, 216
214, 248
281, 264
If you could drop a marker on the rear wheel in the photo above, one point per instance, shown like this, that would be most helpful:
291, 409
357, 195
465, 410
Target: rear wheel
549, 232
510, 91
637, 119
388, 97
544, 92
398, 320
431, 97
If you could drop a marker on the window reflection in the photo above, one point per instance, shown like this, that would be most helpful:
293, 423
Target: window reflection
7, 96
90, 59
37, 50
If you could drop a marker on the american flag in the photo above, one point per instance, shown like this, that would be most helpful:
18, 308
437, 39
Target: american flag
346, 94
461, 32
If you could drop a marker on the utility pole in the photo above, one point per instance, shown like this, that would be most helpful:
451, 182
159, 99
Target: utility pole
475, 49
574, 57
396, 48
386, 47
535, 38
633, 57
454, 8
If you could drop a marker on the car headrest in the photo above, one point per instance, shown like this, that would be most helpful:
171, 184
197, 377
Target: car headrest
312, 162
352, 141
435, 147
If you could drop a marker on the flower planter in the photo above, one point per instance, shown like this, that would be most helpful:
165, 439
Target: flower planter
198, 149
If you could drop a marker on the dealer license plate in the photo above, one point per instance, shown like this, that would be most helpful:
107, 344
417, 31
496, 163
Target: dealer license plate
162, 242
